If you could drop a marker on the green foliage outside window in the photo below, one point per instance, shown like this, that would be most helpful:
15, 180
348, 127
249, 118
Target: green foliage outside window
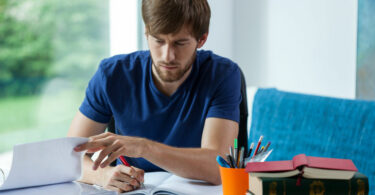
49, 49
25, 49
43, 39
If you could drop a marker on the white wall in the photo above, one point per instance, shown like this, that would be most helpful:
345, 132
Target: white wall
296, 45
123, 26
220, 38
313, 45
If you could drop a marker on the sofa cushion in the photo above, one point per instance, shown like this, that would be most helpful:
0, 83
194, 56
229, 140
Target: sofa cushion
316, 126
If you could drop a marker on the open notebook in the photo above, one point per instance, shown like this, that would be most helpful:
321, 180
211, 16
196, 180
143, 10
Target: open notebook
42, 163
168, 184
44, 167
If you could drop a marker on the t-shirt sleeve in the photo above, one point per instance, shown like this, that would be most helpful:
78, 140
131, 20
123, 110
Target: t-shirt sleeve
95, 105
227, 98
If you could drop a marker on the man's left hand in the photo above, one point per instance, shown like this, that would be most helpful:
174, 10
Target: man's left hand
113, 146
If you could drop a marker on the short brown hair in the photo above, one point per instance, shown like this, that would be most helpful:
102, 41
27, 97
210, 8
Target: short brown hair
169, 16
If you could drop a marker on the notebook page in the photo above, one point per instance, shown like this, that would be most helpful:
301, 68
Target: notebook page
5, 163
182, 186
87, 189
46, 162
3, 175
70, 188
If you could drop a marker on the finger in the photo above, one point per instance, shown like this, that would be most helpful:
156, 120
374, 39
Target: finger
122, 185
92, 139
122, 177
94, 145
133, 173
91, 146
139, 174
104, 153
112, 157
102, 135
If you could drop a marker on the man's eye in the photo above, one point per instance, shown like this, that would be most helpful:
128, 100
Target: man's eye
159, 41
180, 43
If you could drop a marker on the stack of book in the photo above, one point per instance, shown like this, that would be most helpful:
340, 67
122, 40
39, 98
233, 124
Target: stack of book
306, 175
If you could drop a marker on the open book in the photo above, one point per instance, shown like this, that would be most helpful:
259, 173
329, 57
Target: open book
168, 184
307, 166
38, 164
46, 162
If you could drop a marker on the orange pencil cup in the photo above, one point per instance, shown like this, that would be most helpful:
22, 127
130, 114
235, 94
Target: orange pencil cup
234, 181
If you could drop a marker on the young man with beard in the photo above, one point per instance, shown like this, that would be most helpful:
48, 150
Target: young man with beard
176, 108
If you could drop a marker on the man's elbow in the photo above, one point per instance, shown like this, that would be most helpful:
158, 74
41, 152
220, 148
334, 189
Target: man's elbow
216, 181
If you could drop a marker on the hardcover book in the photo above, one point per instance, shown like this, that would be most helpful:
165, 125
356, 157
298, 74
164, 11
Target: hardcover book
280, 186
306, 166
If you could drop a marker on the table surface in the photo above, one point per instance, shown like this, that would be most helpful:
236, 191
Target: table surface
78, 188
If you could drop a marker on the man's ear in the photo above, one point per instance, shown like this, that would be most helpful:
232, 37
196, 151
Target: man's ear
202, 40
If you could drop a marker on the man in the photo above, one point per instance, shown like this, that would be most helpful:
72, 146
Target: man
175, 108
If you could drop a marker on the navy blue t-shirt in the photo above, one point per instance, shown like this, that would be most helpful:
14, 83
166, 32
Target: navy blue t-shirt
123, 88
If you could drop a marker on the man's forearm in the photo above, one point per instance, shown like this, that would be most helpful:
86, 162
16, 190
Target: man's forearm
194, 163
88, 174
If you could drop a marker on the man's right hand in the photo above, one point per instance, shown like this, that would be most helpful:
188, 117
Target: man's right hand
121, 178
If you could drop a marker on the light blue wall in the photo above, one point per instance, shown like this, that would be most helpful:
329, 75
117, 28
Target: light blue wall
366, 50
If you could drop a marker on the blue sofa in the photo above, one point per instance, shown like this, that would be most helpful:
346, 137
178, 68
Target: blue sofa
316, 126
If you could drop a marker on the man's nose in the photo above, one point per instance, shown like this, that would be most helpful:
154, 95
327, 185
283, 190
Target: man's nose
168, 53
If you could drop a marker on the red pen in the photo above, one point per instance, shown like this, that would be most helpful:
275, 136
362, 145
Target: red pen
123, 160
259, 142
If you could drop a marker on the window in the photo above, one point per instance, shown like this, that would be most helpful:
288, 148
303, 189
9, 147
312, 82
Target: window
49, 49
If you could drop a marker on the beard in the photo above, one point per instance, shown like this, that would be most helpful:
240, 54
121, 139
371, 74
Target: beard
176, 74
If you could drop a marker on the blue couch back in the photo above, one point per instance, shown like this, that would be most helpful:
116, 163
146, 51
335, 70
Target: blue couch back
316, 126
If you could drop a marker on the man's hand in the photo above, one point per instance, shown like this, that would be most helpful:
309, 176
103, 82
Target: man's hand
122, 178
113, 146
119, 178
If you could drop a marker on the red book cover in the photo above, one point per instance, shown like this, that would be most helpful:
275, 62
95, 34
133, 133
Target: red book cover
300, 161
